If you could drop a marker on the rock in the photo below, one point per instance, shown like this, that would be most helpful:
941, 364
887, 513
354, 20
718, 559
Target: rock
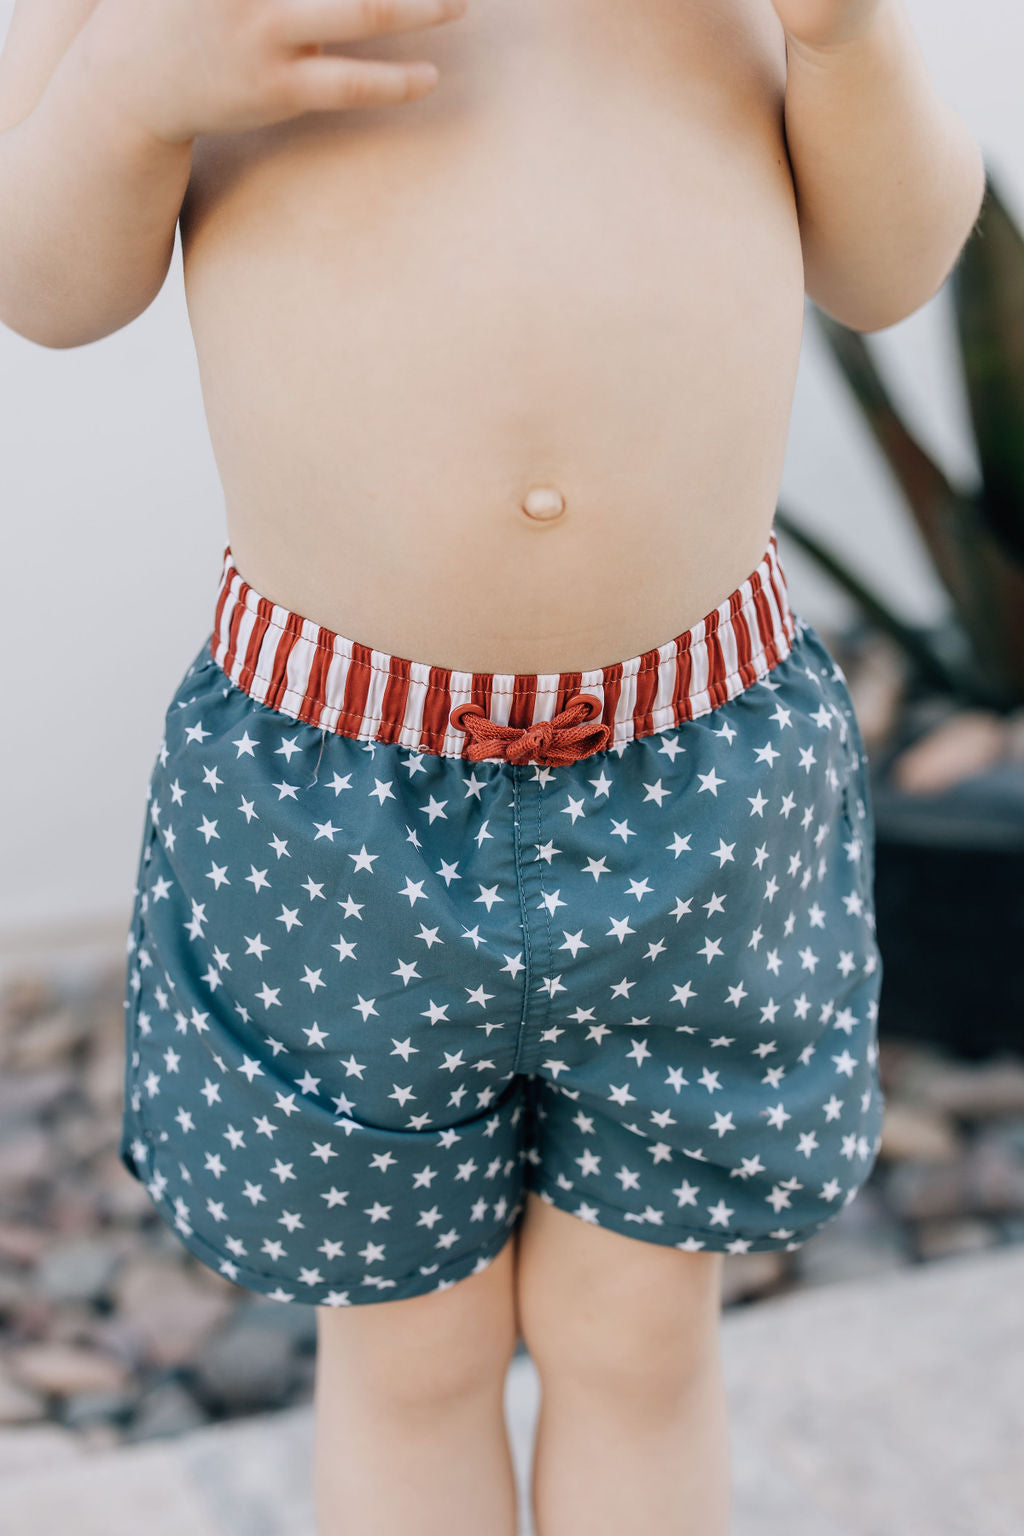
1008, 1134
298, 1321
304, 1385
83, 1134
78, 1269
918, 1132
87, 1408
862, 1240
981, 1091
26, 1160
943, 1239
74, 1206
994, 1178
31, 1093
107, 1021
18, 1403
103, 1080
20, 1242
117, 1336
749, 1275
901, 1061
920, 1191
245, 1368
32, 1317
72, 1323
66, 1369
119, 1197
172, 1311
99, 1435
832, 1257
166, 1409
47, 1041
13, 1291
26, 998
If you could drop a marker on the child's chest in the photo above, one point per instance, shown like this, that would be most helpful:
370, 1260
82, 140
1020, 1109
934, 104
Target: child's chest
558, 127
574, 265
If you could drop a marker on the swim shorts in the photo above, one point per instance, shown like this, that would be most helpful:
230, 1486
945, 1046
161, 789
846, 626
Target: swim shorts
408, 942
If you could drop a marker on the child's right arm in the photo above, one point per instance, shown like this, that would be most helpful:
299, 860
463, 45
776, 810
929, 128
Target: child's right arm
88, 206
100, 104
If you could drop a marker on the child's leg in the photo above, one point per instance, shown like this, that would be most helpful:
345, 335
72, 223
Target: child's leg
633, 1431
409, 1426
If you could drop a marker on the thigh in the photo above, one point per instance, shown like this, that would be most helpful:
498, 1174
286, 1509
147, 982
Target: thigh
443, 1345
612, 1310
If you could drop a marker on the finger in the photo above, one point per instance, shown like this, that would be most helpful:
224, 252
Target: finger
328, 83
301, 22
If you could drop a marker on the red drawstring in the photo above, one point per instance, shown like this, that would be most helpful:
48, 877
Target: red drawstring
556, 742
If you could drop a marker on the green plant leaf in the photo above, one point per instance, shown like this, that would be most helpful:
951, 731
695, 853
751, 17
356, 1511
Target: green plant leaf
984, 582
987, 286
949, 669
928, 492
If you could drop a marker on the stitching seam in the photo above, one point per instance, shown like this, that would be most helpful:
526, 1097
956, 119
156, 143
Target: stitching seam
730, 1233
760, 664
528, 968
197, 1241
683, 643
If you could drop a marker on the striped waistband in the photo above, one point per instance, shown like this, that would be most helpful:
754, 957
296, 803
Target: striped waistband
295, 665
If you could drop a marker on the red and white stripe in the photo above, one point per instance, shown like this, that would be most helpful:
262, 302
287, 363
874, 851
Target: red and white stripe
296, 666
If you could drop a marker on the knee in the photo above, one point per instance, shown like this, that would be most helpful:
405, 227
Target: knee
646, 1351
435, 1374
626, 1371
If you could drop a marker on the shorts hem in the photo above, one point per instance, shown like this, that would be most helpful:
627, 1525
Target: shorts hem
677, 1235
351, 1291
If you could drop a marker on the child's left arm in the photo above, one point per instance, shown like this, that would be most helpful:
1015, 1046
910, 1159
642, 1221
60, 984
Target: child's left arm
889, 180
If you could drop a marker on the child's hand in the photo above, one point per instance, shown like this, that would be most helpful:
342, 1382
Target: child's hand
179, 68
826, 23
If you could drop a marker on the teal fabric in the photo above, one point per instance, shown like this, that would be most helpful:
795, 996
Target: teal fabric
374, 995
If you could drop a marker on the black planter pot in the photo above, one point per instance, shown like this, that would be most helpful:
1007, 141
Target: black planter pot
949, 896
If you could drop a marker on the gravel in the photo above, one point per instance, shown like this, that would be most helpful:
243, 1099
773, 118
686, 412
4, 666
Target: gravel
111, 1332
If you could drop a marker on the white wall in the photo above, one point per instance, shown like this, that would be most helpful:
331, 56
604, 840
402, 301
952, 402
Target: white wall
113, 527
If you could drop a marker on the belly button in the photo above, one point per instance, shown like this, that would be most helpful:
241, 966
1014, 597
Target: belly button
543, 502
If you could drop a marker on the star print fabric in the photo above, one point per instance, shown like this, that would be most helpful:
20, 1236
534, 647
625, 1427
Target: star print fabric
374, 993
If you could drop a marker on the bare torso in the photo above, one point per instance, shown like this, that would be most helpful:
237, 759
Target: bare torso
573, 268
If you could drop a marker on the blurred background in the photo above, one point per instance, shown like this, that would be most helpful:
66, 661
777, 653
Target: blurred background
901, 530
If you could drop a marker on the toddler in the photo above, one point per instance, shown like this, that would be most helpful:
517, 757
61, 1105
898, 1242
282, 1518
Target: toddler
481, 985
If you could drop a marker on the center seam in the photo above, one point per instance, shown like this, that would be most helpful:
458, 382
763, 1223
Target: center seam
530, 881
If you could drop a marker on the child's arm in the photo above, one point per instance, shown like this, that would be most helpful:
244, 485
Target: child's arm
88, 204
95, 157
889, 180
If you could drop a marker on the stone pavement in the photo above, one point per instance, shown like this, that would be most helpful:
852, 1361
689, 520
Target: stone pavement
885, 1406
